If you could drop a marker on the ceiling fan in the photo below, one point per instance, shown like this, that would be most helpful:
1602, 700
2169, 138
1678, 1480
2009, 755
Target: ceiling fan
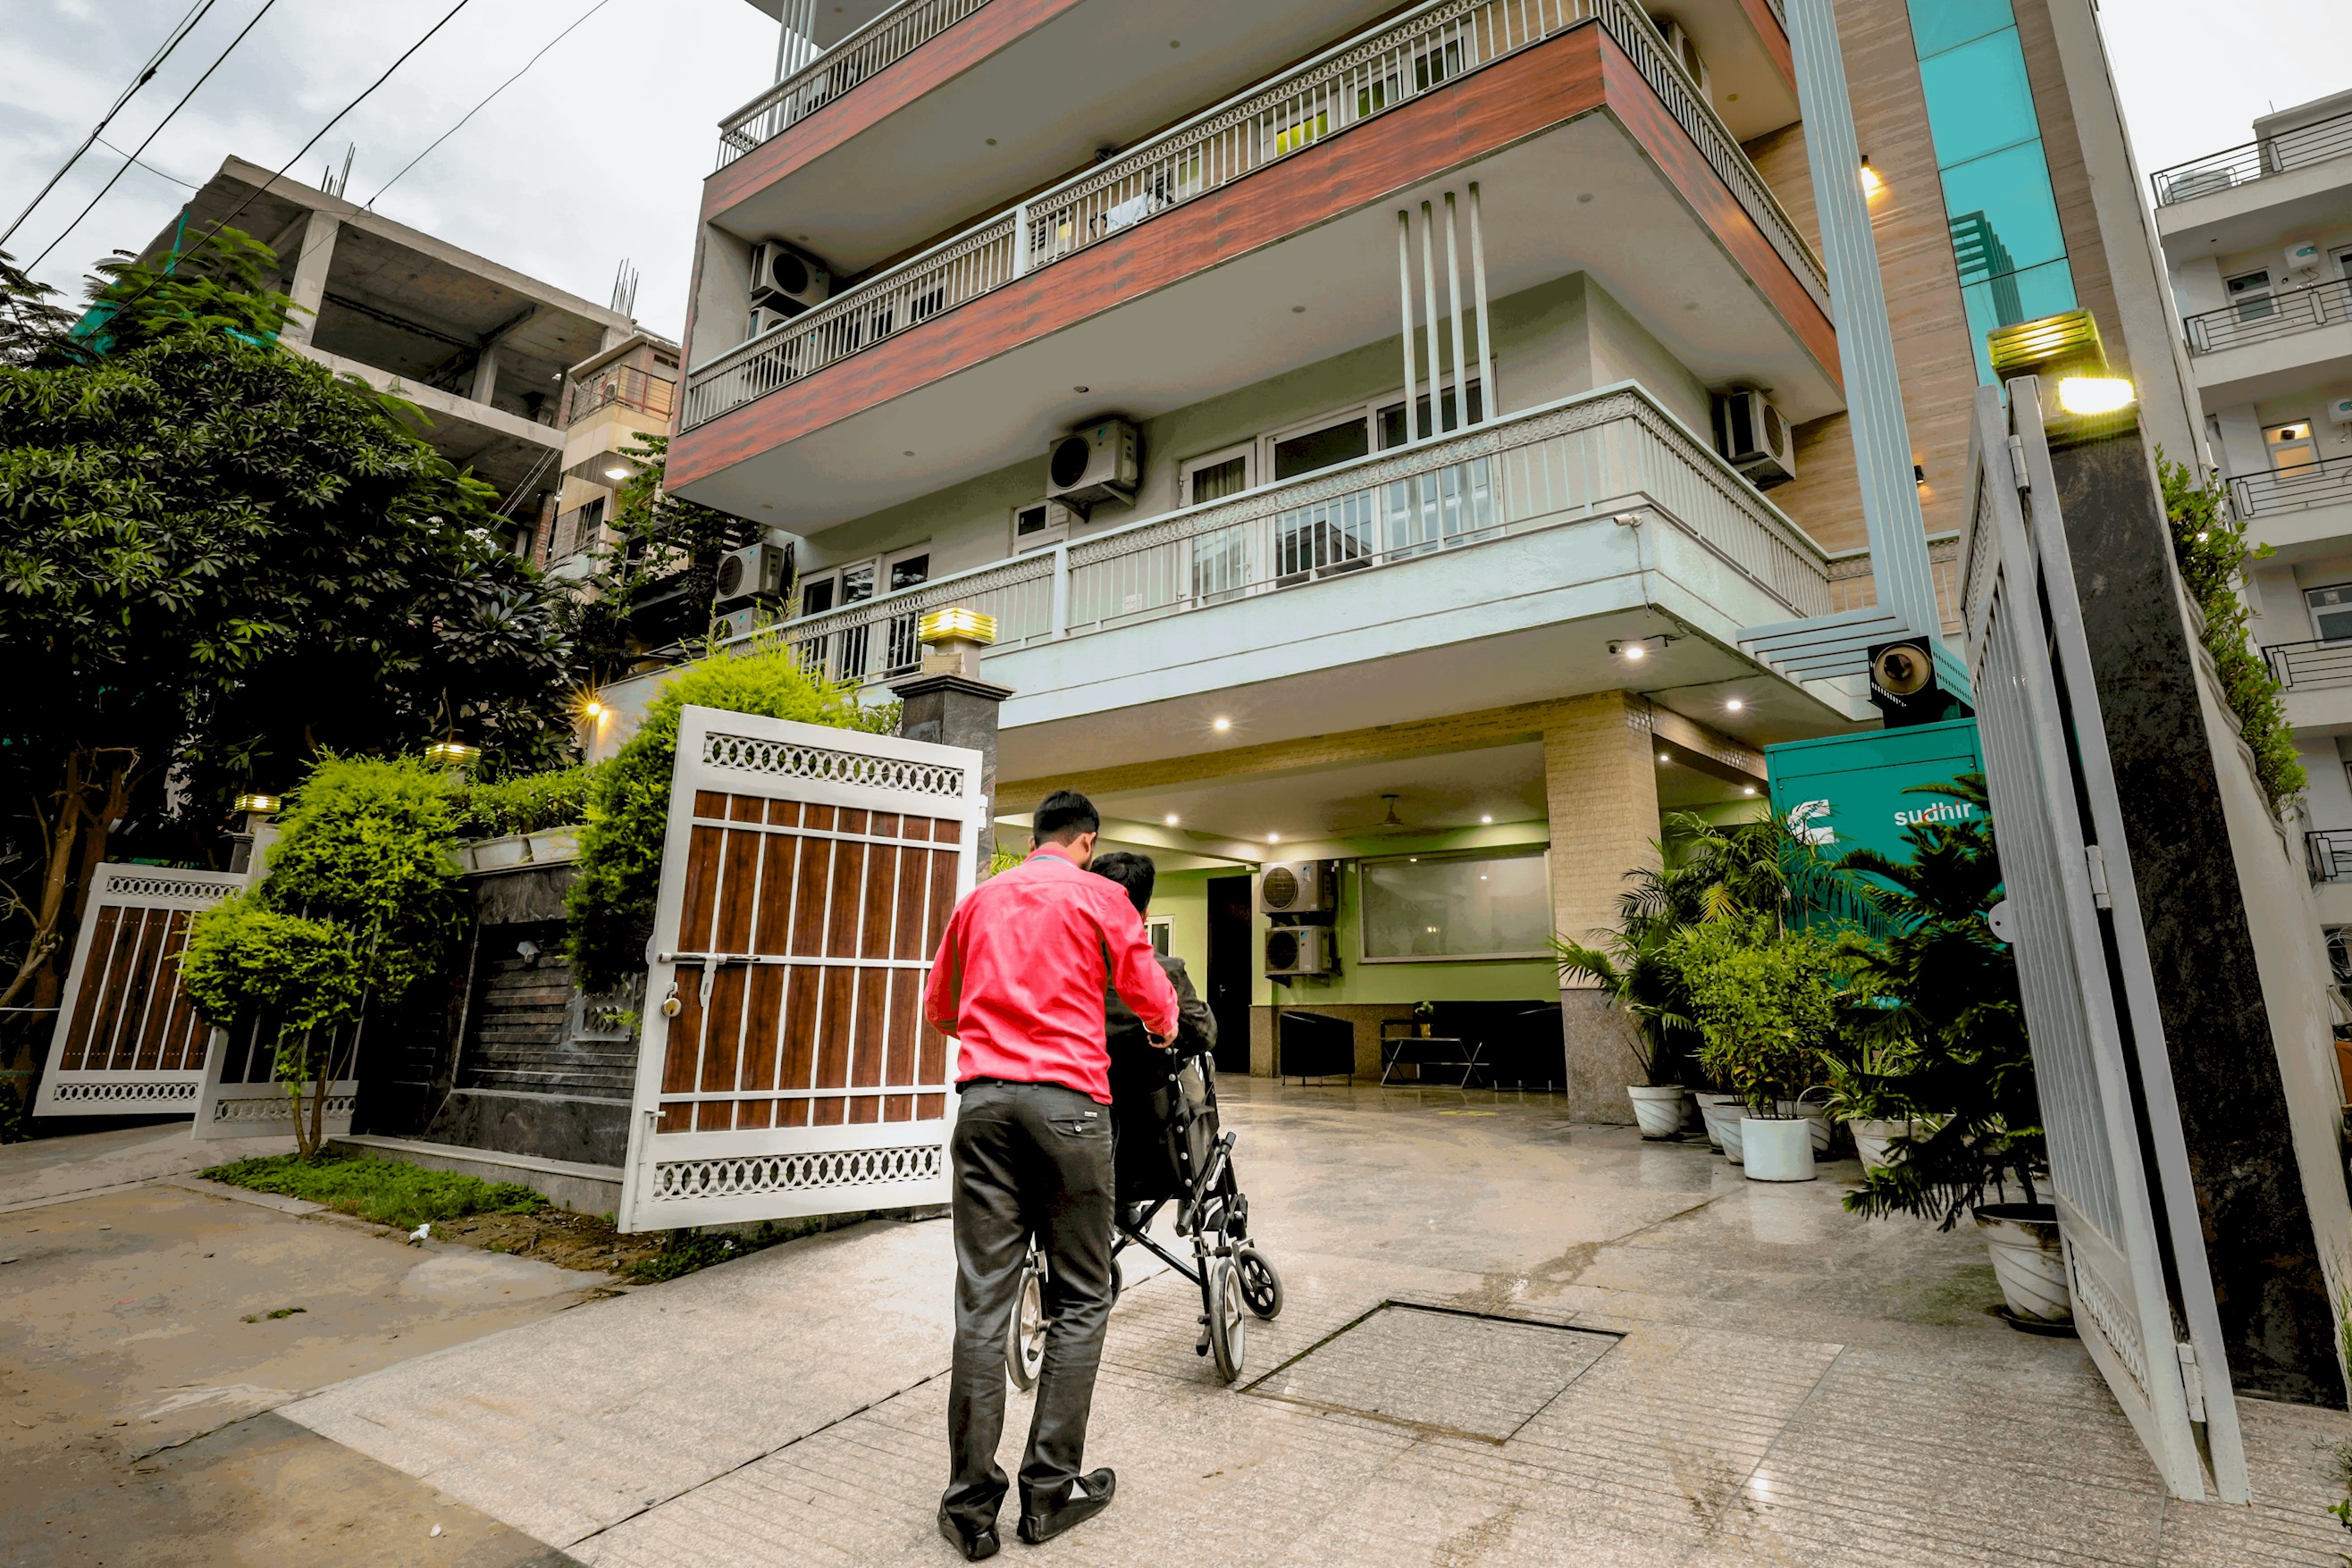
1392, 823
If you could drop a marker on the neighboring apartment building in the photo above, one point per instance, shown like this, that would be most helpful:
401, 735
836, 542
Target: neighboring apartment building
1385, 435
481, 350
611, 401
2259, 242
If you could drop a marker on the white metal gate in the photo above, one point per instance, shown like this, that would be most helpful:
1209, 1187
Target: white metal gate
2080, 941
127, 1039
785, 1068
243, 1097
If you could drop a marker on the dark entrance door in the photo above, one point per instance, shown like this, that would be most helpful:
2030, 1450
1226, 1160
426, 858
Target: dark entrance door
1230, 970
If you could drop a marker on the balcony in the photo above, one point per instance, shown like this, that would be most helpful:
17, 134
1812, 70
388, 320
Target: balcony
1230, 216
2315, 679
1474, 569
2266, 345
622, 386
2328, 854
2297, 512
2243, 165
864, 54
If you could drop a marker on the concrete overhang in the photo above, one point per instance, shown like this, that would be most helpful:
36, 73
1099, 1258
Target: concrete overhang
500, 447
2259, 212
2305, 534
832, 20
2275, 367
2319, 710
1582, 169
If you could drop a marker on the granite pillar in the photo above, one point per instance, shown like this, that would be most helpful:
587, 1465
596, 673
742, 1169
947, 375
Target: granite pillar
954, 708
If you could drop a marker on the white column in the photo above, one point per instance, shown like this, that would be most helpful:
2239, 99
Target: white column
1413, 431
1490, 407
1429, 300
1453, 307
485, 376
309, 287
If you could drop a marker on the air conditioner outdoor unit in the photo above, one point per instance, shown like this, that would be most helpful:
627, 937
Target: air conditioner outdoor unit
1099, 463
1298, 887
1754, 438
737, 624
1686, 55
759, 572
787, 280
1298, 950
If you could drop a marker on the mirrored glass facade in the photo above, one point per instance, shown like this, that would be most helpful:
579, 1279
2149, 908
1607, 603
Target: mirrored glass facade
1997, 197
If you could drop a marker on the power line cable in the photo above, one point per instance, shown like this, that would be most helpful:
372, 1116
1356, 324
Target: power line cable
146, 73
365, 93
477, 108
133, 157
151, 168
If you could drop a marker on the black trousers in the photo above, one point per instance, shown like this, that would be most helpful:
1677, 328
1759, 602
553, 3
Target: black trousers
1029, 1158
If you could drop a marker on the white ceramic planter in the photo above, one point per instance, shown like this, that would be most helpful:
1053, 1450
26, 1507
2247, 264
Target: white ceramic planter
1814, 1118
1871, 1140
1722, 1113
1693, 1115
1658, 1111
2028, 1260
1777, 1148
546, 845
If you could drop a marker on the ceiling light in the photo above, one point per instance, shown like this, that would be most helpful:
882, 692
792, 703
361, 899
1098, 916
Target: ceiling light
616, 472
1748, 789
2094, 395
1082, 391
1634, 651
1170, 819
1664, 758
1274, 838
1733, 704
1486, 818
1221, 725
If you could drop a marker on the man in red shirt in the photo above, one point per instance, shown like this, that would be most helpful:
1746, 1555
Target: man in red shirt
1019, 981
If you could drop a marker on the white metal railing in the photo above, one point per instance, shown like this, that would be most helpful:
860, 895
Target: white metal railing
1343, 87
885, 40
2275, 154
1853, 586
1596, 455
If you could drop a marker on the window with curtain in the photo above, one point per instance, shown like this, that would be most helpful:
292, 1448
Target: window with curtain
1488, 903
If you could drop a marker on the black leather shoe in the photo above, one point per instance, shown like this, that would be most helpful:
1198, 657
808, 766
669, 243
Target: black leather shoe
1089, 1496
973, 1544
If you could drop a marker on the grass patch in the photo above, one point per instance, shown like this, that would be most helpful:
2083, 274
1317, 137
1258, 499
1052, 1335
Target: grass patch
386, 1191
685, 1251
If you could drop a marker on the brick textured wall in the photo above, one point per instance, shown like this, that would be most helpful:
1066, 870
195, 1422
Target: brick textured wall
1601, 784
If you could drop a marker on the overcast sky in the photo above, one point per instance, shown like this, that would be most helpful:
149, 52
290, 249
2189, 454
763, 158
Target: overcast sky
599, 152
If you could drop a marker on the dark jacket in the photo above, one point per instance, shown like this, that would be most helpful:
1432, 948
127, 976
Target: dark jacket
1140, 1105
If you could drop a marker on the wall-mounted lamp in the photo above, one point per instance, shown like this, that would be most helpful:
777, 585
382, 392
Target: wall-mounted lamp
1918, 473
1871, 183
1633, 649
616, 474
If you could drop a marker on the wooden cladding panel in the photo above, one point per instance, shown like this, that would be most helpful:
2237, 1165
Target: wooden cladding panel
131, 1014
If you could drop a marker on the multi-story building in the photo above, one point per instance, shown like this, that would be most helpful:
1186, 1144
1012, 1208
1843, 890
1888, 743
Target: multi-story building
2258, 239
611, 401
479, 348
1420, 438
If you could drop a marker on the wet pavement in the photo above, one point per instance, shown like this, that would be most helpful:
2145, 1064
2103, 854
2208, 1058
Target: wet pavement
1506, 1339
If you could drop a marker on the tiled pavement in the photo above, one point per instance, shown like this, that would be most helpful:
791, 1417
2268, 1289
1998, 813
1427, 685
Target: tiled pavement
1791, 1385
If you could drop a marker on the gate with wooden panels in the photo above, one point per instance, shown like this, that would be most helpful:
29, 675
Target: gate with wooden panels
786, 1070
127, 1039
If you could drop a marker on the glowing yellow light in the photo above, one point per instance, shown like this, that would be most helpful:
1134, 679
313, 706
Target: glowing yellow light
1871, 183
1221, 725
1170, 819
452, 754
593, 709
265, 804
1634, 651
1733, 706
1489, 819
971, 625
1274, 838
2094, 395
1748, 789
616, 472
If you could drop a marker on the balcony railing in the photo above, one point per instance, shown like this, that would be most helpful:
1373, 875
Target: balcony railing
2305, 144
1852, 586
889, 38
1595, 455
2321, 484
1355, 81
629, 387
2260, 317
2329, 853
2310, 664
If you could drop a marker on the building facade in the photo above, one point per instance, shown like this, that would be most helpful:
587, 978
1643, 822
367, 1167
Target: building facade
1381, 433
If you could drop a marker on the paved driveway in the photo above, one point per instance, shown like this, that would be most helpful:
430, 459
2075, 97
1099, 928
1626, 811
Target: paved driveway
1508, 1340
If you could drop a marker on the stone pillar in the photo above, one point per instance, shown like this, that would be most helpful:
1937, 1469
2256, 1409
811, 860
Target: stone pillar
308, 284
1600, 785
485, 375
952, 708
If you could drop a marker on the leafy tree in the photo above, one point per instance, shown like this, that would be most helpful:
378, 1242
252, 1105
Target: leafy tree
360, 903
610, 903
653, 587
29, 325
1939, 999
217, 561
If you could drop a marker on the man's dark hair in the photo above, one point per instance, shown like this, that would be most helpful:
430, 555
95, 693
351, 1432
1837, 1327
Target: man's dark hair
1132, 872
1062, 816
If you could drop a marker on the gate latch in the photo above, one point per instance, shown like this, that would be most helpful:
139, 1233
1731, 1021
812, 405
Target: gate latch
2192, 1381
2095, 860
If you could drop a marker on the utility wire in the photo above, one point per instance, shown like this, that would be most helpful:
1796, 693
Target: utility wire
146, 73
151, 168
477, 108
302, 151
133, 157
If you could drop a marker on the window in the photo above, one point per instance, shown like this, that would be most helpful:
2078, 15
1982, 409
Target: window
1038, 524
908, 568
2331, 611
1216, 476
1392, 430
1319, 447
2289, 447
816, 596
2250, 293
1163, 934
1487, 905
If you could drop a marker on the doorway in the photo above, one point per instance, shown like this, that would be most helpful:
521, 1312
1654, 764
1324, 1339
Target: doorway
1230, 970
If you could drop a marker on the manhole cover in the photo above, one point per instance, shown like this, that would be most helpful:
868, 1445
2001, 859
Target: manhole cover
1454, 1372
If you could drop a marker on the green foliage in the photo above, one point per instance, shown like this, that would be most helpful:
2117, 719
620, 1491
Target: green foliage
526, 802
30, 326
245, 960
685, 1251
219, 286
1937, 1002
611, 904
1766, 1006
653, 587
2210, 547
386, 1191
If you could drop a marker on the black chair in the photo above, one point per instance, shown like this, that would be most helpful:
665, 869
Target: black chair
1314, 1045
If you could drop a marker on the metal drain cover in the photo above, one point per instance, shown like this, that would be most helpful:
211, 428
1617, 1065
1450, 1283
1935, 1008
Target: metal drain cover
1453, 1371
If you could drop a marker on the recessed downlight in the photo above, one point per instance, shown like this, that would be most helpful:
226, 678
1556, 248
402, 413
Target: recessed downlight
1220, 724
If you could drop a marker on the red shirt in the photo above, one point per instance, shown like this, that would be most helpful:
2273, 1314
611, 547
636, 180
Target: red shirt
1020, 973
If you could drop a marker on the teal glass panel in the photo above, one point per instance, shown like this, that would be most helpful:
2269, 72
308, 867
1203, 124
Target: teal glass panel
1979, 100
1940, 25
2027, 295
2007, 196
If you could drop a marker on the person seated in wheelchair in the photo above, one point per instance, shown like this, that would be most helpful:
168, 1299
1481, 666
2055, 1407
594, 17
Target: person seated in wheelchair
1142, 1110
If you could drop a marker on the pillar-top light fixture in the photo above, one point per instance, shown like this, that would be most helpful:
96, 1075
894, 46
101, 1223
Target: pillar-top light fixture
452, 754
952, 639
255, 805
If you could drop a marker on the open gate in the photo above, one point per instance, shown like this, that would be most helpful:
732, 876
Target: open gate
785, 1069
2128, 1214
127, 1039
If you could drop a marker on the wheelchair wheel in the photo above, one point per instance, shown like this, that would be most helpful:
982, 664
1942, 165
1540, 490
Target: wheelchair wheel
1261, 1286
1118, 1281
1227, 1325
1024, 1333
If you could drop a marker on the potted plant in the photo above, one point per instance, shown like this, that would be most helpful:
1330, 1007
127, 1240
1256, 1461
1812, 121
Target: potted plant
1864, 1096
1634, 970
1942, 990
1765, 1001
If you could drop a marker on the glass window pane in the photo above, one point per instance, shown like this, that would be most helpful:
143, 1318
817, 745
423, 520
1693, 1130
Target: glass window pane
908, 571
857, 584
1456, 907
1321, 448
2026, 295
1218, 480
817, 598
1939, 25
2008, 195
1978, 99
1392, 431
